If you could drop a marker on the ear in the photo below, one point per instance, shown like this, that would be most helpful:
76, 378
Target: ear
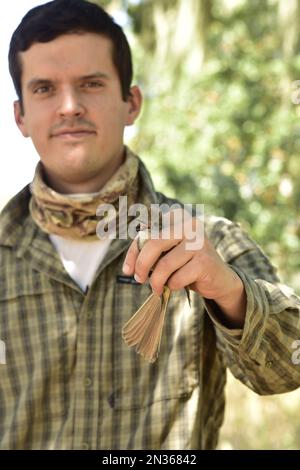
135, 100
20, 118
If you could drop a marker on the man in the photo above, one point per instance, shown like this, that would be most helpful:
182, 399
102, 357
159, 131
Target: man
69, 380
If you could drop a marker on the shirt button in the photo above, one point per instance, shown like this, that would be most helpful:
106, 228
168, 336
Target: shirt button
269, 364
85, 446
87, 382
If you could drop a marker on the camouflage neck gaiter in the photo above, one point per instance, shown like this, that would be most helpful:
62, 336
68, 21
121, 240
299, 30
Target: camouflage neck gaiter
74, 216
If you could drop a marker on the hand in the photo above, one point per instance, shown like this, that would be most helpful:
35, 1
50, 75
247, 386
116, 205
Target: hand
178, 263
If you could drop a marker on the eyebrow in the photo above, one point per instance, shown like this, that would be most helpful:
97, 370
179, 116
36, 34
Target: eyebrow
38, 81
95, 75
45, 81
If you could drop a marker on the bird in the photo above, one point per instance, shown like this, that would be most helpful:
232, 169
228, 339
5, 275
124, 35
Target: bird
144, 329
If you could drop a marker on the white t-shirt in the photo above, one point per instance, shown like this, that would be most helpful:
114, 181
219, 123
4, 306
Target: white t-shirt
81, 259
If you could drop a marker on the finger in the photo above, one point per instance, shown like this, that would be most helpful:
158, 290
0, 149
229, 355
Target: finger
176, 258
130, 259
188, 274
149, 255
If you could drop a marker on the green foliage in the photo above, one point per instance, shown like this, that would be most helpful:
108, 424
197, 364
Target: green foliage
228, 136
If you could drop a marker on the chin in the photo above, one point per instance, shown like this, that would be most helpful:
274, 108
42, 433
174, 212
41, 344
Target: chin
77, 161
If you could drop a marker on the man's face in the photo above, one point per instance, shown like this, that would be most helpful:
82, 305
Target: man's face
73, 110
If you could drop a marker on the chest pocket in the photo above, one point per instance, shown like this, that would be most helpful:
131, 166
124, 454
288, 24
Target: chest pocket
138, 384
29, 303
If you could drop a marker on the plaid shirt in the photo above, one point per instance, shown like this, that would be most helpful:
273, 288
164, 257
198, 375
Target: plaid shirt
70, 382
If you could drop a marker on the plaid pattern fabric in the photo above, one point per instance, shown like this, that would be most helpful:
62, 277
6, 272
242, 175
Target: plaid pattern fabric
70, 382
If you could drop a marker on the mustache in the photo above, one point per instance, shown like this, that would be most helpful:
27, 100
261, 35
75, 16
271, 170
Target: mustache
72, 123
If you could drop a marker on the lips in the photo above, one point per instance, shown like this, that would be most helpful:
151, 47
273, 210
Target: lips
73, 133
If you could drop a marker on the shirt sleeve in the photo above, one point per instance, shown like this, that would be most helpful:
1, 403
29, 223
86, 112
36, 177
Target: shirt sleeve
263, 354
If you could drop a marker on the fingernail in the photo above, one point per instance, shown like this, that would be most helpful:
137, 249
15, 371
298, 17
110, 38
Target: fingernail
126, 269
137, 278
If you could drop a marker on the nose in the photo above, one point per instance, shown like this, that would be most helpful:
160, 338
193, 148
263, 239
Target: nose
70, 104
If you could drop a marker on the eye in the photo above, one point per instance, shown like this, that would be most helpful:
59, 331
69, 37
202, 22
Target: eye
42, 89
92, 84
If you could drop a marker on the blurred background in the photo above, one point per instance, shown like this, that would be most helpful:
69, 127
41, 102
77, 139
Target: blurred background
221, 127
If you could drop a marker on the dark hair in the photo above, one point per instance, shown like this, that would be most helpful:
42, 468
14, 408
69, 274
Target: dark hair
58, 17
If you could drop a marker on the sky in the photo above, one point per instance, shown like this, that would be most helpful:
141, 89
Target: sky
18, 157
